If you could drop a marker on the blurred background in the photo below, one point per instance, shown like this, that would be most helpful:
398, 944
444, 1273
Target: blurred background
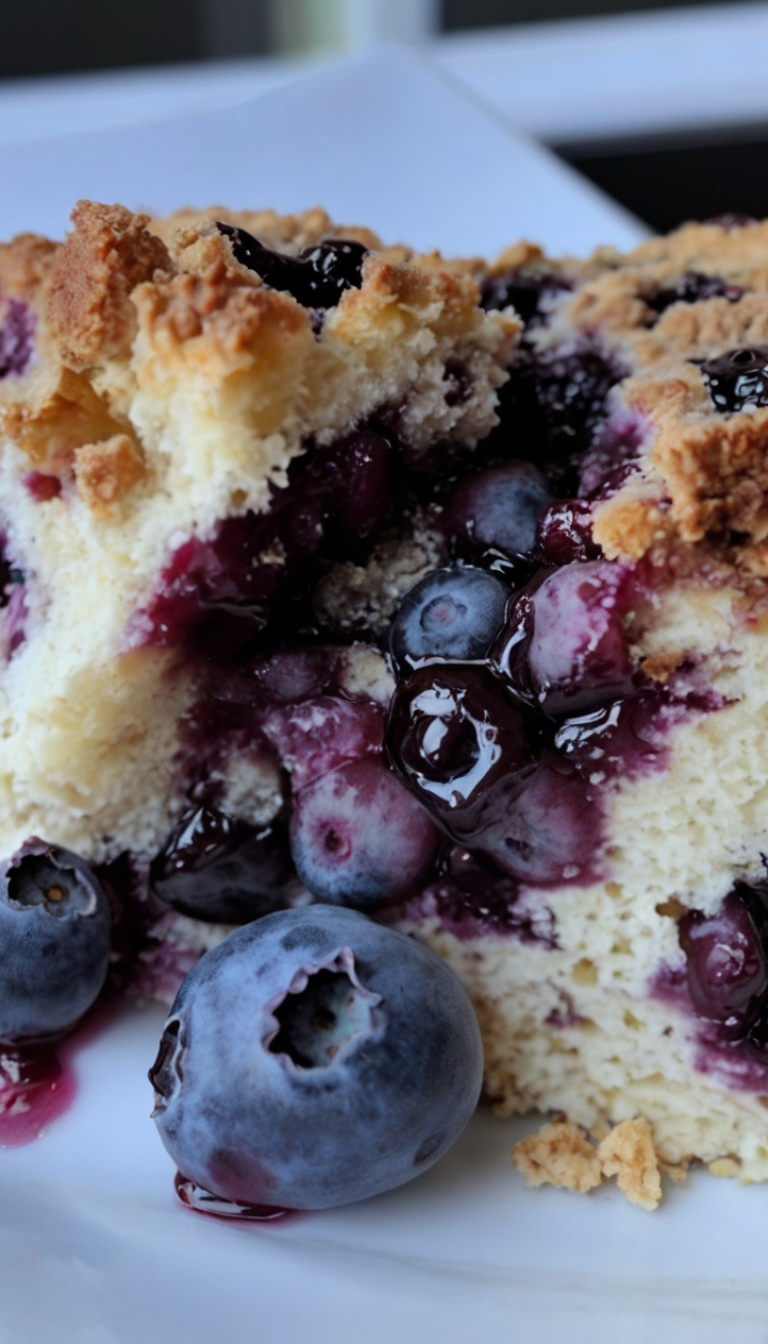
664, 106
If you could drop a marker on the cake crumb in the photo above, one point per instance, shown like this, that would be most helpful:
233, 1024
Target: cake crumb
676, 1171
725, 1166
562, 1154
628, 1154
558, 1155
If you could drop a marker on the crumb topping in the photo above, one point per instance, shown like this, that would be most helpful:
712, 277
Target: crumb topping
108, 253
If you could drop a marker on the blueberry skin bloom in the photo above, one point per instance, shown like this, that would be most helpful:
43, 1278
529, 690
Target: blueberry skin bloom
455, 612
54, 942
314, 1058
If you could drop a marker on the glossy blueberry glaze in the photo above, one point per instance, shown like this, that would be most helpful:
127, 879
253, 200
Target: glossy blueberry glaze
738, 379
316, 278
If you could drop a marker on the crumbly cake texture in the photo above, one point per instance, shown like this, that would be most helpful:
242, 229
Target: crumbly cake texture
167, 388
160, 399
588, 1013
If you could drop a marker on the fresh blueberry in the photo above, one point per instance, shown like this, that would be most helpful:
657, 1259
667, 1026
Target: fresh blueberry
218, 869
315, 1058
54, 942
358, 838
452, 613
499, 508
316, 278
738, 379
726, 958
564, 646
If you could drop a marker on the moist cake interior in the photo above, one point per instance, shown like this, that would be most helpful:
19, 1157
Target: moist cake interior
436, 588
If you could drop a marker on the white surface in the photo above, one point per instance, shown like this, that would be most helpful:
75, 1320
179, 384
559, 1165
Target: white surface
632, 74
384, 140
93, 1249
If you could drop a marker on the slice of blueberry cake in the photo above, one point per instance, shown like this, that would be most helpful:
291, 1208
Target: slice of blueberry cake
438, 590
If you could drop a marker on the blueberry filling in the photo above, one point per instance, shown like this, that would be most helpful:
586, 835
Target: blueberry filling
250, 585
692, 287
530, 293
564, 533
726, 971
219, 869
17, 336
726, 963
551, 407
316, 278
737, 379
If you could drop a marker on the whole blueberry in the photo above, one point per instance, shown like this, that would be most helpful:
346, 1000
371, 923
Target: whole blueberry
455, 612
565, 646
54, 942
499, 508
358, 837
726, 957
737, 379
315, 1058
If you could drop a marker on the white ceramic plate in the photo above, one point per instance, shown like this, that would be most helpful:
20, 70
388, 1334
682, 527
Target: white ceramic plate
93, 1248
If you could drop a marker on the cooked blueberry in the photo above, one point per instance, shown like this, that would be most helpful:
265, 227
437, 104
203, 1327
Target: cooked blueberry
219, 869
731, 220
499, 508
54, 942
551, 406
564, 533
738, 379
321, 733
316, 278
463, 748
564, 646
452, 613
547, 833
358, 838
726, 957
315, 1058
467, 889
529, 292
692, 287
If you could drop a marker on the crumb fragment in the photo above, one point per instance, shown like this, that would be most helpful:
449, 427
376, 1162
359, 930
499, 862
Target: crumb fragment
628, 1154
562, 1154
725, 1166
106, 471
558, 1155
